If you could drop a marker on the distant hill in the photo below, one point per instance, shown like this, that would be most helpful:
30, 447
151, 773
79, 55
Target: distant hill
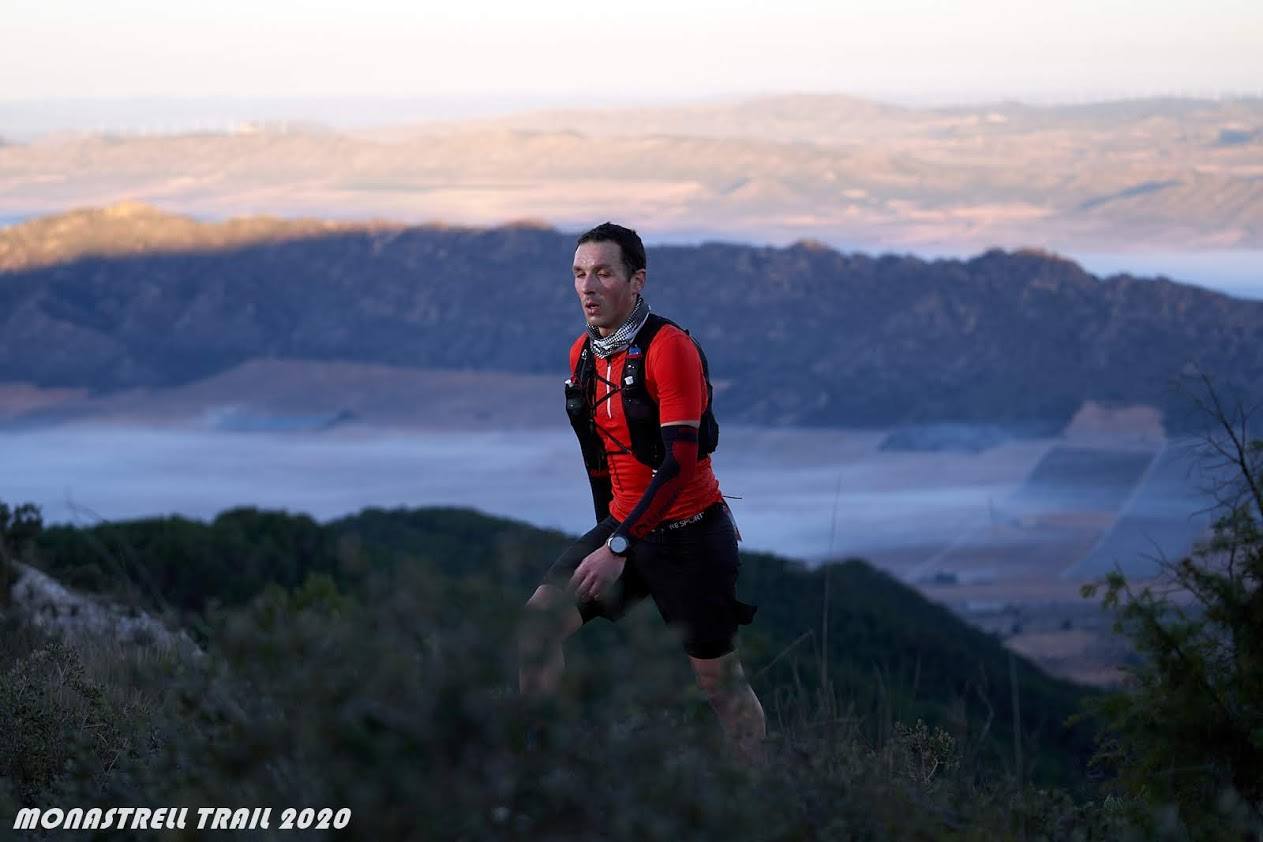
840, 120
799, 335
1168, 174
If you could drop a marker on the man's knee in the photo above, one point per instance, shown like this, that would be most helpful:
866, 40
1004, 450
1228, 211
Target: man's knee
719, 676
548, 618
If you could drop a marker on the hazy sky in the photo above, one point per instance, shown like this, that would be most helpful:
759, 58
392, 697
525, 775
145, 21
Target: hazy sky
643, 49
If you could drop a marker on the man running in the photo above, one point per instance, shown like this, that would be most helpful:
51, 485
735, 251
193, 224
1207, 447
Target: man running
639, 399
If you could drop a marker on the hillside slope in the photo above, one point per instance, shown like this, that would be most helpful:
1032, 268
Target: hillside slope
893, 655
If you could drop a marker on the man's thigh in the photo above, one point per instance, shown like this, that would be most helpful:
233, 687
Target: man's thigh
692, 575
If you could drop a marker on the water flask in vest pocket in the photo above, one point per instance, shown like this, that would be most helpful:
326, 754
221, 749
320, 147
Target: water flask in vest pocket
576, 401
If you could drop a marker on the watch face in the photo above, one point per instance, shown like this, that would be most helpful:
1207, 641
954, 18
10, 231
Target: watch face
617, 545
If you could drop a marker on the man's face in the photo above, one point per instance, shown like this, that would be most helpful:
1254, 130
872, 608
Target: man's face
606, 294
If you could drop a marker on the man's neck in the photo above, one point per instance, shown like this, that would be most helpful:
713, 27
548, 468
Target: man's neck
606, 331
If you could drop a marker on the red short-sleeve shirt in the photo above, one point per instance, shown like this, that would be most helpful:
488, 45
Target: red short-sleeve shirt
674, 380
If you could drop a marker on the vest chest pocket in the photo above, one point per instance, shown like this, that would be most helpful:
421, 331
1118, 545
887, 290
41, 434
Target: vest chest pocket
639, 410
636, 403
582, 422
641, 414
576, 401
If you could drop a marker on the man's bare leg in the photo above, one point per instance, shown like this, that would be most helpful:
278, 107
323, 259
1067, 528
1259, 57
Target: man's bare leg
550, 618
738, 708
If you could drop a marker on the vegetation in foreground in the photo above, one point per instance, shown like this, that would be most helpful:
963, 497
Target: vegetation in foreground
398, 706
885, 653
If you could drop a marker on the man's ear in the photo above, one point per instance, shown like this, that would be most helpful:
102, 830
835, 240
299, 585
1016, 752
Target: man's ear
638, 280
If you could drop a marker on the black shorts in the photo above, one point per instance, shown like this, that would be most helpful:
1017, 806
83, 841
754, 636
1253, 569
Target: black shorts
690, 571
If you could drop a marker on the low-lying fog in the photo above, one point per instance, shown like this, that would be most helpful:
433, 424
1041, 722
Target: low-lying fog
802, 493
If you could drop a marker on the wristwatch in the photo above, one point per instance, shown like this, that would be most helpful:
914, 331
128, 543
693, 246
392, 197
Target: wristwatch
618, 544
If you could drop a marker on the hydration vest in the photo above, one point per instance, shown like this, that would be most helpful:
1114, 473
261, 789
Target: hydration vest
639, 409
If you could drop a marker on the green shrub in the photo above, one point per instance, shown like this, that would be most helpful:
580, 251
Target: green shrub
59, 723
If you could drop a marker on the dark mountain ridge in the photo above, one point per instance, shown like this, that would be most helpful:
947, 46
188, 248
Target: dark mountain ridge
799, 335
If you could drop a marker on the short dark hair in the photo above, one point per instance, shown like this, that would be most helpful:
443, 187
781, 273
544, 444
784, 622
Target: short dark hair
629, 244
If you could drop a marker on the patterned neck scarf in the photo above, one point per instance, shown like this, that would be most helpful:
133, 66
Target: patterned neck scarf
607, 346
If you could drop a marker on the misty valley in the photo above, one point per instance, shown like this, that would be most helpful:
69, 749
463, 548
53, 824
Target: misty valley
1004, 534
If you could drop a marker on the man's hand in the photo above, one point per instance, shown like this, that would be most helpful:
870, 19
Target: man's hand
596, 573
